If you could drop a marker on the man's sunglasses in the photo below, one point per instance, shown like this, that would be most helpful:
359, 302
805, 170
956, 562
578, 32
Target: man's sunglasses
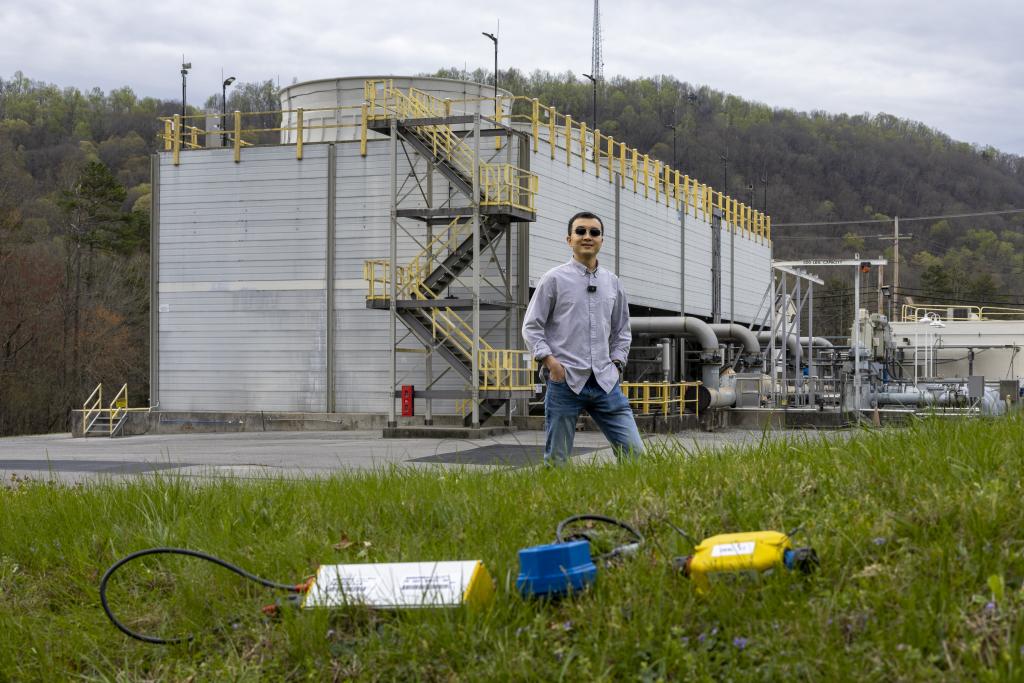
594, 232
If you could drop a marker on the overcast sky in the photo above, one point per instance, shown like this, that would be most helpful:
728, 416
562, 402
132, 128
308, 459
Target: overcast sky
957, 67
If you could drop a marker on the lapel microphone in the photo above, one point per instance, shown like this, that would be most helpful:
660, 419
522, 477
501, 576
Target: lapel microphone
591, 288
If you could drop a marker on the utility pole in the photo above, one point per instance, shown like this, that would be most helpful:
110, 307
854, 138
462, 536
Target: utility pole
896, 237
895, 255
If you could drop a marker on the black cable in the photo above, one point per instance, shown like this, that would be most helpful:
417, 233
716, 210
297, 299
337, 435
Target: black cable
623, 549
293, 588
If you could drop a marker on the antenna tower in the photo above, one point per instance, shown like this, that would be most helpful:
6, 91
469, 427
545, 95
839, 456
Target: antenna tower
596, 58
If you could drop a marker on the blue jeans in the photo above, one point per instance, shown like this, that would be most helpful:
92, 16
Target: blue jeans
611, 412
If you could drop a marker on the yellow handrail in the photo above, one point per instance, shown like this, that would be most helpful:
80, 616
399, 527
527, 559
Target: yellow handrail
505, 369
545, 124
500, 184
92, 406
118, 407
946, 312
661, 398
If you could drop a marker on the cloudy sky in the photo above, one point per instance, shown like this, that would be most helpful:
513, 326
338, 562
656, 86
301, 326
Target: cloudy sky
957, 67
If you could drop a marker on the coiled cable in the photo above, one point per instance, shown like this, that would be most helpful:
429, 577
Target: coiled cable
291, 588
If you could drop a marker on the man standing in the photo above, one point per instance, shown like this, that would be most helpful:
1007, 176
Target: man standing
577, 326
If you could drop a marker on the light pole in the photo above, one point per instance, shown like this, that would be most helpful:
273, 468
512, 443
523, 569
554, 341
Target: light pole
593, 81
224, 109
494, 39
673, 128
185, 66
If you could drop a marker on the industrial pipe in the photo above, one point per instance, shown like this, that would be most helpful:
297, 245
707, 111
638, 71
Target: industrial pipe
686, 326
722, 397
990, 402
738, 333
792, 342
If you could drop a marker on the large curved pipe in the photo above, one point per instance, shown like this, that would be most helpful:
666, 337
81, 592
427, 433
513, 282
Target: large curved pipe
694, 327
737, 333
672, 325
792, 342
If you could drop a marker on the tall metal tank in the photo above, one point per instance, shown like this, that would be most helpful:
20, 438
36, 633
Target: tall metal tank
320, 99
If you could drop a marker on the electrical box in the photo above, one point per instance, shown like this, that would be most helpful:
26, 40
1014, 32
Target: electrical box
402, 584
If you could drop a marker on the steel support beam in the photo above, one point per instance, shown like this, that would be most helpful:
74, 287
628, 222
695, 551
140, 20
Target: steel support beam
330, 402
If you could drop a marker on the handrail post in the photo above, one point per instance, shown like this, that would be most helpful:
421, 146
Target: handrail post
238, 136
535, 122
611, 156
583, 146
568, 140
552, 134
647, 179
622, 164
168, 134
298, 131
597, 152
177, 139
635, 169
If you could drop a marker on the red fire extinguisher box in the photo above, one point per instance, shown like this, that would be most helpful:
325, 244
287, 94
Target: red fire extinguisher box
408, 402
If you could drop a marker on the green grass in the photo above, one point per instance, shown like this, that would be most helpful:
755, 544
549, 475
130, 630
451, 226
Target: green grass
920, 532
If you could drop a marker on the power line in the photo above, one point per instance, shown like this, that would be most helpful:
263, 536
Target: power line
889, 220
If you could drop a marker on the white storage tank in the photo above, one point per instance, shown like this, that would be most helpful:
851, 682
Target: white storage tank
320, 100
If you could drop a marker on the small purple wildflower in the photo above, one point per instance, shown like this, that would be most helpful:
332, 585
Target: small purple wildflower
879, 540
739, 642
702, 637
990, 606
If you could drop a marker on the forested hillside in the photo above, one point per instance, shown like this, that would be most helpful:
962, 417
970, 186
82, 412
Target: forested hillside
74, 208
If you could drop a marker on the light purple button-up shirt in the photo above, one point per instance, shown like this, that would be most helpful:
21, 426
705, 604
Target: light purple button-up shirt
585, 331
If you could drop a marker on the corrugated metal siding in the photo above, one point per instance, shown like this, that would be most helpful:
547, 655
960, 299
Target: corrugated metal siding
649, 239
242, 259
242, 253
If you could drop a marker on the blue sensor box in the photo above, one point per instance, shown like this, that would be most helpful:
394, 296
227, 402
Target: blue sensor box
555, 569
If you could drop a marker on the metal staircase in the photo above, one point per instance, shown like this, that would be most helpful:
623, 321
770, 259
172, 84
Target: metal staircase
98, 420
496, 195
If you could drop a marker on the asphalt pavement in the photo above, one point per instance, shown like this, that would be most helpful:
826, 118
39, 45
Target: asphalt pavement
295, 455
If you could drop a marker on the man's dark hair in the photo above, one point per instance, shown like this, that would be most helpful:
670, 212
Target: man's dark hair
584, 214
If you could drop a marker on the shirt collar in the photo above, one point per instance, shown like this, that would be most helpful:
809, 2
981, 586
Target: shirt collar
582, 269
